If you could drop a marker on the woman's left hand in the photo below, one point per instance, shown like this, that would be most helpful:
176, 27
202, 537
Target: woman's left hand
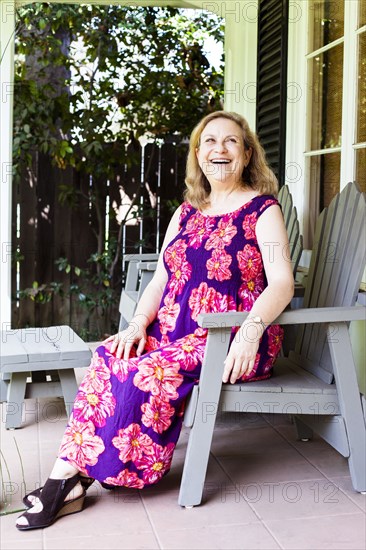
240, 360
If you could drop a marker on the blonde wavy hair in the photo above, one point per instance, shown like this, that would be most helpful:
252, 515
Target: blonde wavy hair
257, 174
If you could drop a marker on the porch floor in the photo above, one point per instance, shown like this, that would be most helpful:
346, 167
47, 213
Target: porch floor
264, 490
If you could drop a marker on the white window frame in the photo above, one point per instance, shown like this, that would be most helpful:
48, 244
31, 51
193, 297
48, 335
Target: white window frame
298, 152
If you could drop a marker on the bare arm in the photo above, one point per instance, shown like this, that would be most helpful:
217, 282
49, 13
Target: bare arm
273, 243
148, 305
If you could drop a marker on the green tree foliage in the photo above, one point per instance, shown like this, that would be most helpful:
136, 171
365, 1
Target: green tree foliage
94, 75
91, 79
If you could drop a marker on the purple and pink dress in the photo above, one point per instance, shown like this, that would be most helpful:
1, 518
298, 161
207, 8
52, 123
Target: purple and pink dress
127, 415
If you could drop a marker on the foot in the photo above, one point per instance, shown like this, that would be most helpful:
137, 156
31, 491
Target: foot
58, 497
31, 498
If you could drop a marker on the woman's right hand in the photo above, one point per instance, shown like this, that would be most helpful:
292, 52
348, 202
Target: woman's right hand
122, 342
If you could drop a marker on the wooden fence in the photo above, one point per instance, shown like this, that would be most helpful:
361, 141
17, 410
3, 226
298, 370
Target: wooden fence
44, 230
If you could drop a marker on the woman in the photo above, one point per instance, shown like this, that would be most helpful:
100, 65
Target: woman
223, 251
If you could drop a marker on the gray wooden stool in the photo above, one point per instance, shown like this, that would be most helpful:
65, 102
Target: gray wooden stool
49, 356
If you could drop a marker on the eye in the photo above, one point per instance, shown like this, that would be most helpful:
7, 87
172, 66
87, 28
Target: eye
207, 140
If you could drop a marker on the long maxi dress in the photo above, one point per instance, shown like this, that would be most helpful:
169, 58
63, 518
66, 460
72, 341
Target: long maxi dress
127, 415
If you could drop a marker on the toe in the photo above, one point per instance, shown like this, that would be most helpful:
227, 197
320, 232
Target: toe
22, 521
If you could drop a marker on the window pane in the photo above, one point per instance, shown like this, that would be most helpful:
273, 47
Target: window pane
325, 171
361, 103
362, 20
361, 168
327, 17
325, 177
326, 95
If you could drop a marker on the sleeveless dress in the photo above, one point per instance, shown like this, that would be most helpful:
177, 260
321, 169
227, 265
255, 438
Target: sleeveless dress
127, 415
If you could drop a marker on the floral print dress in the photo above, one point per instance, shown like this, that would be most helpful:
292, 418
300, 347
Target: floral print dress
127, 415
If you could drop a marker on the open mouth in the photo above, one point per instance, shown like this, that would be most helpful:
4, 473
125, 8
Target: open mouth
220, 161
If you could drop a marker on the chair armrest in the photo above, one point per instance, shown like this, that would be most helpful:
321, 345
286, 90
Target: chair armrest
143, 257
294, 317
147, 266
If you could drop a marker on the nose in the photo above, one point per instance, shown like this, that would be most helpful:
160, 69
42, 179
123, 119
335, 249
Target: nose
220, 146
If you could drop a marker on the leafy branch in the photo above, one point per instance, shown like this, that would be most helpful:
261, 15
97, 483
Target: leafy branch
89, 82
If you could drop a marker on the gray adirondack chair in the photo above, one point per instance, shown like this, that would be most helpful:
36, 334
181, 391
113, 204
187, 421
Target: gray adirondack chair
139, 274
317, 382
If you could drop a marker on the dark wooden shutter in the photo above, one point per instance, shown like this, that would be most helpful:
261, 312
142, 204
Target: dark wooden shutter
272, 82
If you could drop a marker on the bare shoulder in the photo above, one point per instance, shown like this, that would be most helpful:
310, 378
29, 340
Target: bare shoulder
271, 213
271, 223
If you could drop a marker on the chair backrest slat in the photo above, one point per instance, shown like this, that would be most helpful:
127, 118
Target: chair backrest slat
350, 245
296, 248
304, 333
336, 268
285, 200
292, 226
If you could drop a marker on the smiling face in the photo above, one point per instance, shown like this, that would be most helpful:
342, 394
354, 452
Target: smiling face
221, 153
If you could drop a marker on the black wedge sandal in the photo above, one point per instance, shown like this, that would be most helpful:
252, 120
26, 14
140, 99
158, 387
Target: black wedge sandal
108, 487
85, 481
54, 505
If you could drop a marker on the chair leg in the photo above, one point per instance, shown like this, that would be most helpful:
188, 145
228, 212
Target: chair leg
199, 443
15, 400
4, 384
197, 455
304, 433
349, 402
69, 387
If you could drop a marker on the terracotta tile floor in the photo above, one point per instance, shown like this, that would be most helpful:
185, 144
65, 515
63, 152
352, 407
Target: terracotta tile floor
264, 490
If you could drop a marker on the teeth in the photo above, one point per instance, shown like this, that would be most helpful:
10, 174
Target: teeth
224, 161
